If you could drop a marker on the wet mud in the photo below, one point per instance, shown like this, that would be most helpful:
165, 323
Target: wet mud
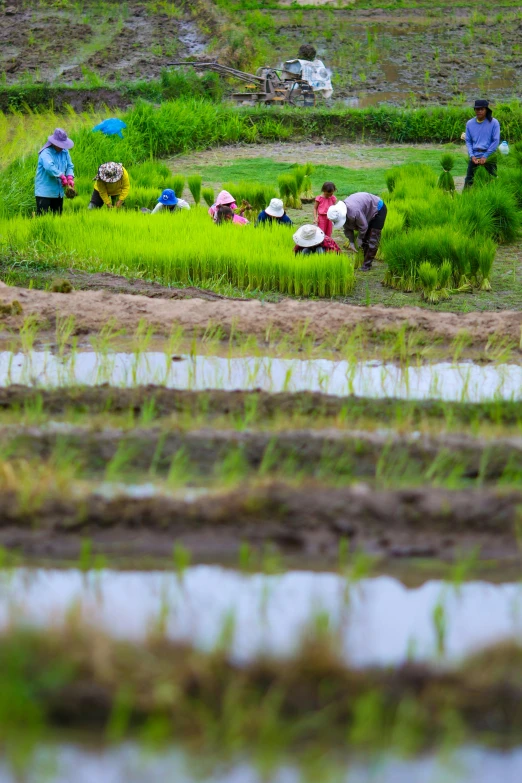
308, 520
328, 454
91, 308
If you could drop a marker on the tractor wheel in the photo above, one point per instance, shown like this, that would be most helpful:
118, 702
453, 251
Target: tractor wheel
301, 94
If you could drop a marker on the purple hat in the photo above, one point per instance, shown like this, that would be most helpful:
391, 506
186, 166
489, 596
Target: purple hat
61, 139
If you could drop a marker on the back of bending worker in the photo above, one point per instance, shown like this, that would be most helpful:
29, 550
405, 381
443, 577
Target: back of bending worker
111, 182
365, 213
482, 140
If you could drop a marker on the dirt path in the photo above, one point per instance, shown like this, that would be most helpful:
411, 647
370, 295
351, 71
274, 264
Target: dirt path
93, 309
353, 156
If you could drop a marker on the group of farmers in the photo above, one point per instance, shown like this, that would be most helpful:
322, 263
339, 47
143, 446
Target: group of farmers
361, 212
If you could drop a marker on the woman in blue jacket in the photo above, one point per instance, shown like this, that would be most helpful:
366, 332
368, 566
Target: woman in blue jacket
55, 171
482, 140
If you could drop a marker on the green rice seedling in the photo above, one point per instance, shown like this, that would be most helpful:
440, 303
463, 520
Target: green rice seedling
257, 194
446, 181
208, 195
284, 182
444, 275
178, 184
299, 173
194, 183
485, 264
501, 204
133, 244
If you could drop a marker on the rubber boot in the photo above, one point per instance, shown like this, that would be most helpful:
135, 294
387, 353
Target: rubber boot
370, 251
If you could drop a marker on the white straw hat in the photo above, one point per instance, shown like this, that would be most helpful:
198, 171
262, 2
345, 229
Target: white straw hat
275, 208
308, 236
337, 214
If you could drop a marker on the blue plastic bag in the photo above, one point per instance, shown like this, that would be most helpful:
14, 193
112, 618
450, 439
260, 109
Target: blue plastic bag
111, 127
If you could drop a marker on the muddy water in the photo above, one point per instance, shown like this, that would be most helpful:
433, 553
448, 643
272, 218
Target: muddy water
129, 763
464, 381
378, 620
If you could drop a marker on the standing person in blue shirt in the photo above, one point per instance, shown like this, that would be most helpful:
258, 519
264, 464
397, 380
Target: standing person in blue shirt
482, 140
55, 171
273, 213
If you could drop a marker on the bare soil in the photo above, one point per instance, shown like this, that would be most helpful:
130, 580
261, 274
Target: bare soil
331, 453
93, 309
117, 284
310, 521
112, 41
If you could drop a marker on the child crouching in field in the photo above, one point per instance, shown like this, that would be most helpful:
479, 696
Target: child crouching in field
311, 239
225, 214
321, 207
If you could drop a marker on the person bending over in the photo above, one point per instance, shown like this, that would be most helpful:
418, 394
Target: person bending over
54, 172
482, 140
366, 214
311, 239
111, 184
169, 202
273, 213
226, 199
225, 214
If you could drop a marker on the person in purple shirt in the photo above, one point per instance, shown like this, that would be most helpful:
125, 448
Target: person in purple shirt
482, 140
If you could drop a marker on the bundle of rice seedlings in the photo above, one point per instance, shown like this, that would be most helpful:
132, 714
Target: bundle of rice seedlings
429, 279
446, 181
194, 183
485, 263
208, 195
307, 187
257, 194
444, 274
286, 184
178, 184
511, 179
500, 204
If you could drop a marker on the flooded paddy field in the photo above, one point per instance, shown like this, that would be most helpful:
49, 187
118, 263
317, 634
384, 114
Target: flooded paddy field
328, 527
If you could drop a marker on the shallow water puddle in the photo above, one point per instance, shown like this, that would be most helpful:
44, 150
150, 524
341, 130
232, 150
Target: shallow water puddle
379, 621
128, 763
462, 381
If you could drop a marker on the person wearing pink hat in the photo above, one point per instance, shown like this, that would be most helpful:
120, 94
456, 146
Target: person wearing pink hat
226, 199
54, 172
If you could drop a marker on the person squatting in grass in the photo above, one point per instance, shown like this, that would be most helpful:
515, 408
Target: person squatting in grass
274, 213
111, 182
311, 239
366, 214
482, 140
321, 206
225, 214
54, 172
168, 201
226, 199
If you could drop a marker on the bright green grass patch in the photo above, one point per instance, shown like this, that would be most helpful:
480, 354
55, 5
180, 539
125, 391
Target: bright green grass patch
185, 248
348, 180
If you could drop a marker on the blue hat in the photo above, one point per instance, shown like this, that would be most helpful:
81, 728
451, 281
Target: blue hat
168, 197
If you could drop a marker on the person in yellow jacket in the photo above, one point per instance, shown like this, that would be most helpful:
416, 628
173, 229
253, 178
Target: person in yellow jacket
110, 183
